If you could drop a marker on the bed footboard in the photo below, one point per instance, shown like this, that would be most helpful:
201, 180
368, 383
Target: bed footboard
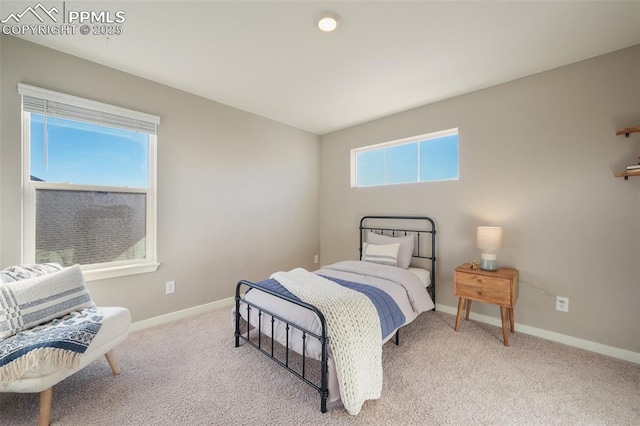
268, 348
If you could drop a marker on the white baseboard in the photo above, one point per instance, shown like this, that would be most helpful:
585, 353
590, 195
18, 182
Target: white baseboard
553, 336
185, 313
522, 328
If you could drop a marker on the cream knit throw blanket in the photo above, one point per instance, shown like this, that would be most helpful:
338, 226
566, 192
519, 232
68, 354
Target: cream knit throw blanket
354, 333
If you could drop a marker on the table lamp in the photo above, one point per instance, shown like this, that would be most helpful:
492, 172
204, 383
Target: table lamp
489, 239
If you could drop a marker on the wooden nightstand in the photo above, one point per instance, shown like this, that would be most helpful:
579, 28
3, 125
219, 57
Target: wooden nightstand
497, 287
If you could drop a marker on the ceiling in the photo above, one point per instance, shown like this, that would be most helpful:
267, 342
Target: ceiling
268, 58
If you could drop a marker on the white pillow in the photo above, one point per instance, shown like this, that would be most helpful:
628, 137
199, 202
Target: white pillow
406, 246
33, 301
385, 254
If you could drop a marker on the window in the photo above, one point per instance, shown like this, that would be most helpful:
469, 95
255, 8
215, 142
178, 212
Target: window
89, 184
423, 158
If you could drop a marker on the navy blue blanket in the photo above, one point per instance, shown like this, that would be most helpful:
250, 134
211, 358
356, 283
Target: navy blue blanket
391, 317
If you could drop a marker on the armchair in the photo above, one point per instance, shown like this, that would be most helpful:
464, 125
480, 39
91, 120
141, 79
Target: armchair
50, 329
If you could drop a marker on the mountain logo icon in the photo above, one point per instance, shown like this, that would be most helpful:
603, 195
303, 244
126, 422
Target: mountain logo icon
38, 11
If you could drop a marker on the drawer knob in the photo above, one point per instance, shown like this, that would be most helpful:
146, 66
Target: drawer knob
480, 280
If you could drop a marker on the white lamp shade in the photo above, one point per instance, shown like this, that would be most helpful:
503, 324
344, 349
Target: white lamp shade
489, 237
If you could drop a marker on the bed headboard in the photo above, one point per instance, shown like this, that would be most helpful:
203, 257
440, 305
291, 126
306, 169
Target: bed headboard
422, 228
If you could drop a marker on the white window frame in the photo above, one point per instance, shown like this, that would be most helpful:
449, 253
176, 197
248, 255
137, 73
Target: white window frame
99, 270
398, 142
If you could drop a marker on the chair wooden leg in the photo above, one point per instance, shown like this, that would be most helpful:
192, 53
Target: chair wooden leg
44, 413
111, 359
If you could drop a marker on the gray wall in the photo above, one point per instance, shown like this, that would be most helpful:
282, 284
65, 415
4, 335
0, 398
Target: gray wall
237, 193
537, 156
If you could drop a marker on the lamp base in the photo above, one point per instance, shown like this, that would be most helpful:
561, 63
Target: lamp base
488, 262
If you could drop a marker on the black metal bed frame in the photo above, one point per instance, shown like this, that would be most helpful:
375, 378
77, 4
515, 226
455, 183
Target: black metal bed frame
301, 372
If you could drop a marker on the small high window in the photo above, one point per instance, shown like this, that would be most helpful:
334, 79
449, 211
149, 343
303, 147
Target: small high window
424, 158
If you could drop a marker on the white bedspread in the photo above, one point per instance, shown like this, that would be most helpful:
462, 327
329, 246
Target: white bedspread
382, 276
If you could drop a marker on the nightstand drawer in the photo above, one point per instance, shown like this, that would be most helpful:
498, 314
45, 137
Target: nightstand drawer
482, 293
483, 281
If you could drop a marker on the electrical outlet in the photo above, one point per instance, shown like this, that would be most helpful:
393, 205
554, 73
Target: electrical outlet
562, 304
170, 287
316, 259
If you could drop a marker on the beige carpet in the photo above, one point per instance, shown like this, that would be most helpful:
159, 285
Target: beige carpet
189, 373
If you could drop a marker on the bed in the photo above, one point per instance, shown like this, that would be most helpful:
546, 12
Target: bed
327, 327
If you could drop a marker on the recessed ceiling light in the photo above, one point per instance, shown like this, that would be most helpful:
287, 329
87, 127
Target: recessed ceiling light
328, 21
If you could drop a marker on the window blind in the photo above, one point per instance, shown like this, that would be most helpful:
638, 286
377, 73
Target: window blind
55, 104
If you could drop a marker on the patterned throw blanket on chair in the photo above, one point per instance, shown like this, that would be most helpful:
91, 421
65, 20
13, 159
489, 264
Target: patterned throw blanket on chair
60, 342
47, 318
354, 328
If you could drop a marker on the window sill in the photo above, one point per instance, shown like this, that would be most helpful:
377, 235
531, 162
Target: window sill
119, 271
